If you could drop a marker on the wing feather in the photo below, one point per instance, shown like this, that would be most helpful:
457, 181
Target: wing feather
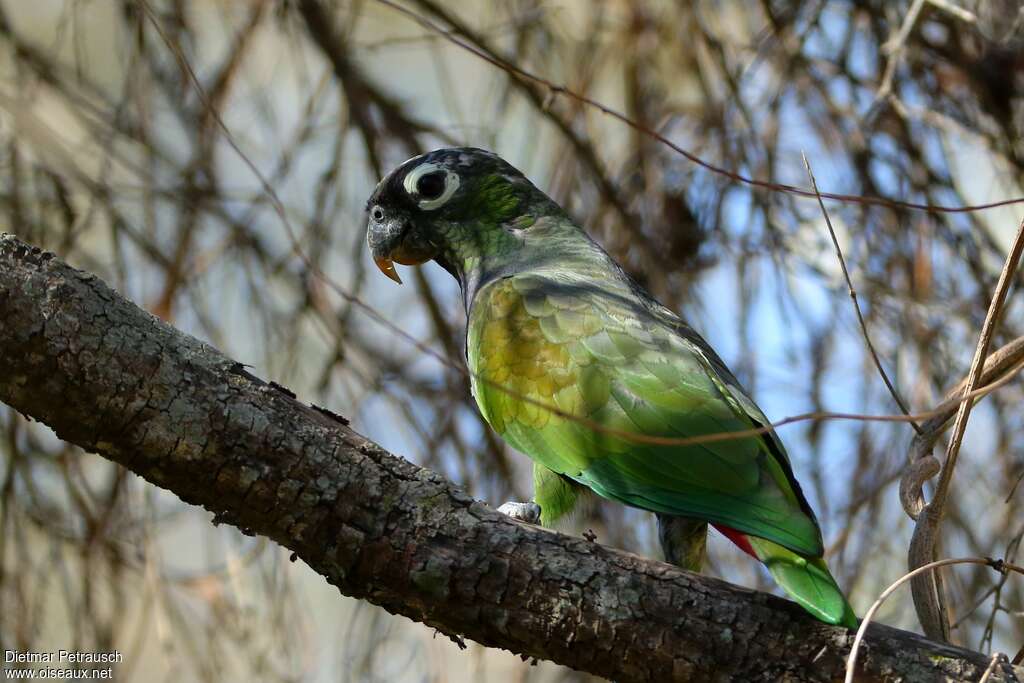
605, 353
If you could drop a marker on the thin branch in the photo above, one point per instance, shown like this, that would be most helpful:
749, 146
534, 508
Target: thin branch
851, 662
853, 297
955, 10
987, 330
1001, 366
211, 110
895, 47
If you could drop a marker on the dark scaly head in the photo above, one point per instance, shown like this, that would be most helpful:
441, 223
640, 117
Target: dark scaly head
464, 207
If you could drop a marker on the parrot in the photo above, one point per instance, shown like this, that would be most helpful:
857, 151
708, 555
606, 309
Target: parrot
575, 365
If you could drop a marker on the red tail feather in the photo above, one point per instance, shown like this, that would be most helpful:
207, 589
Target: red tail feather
739, 538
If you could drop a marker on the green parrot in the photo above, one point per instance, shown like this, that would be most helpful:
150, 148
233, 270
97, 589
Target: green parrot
575, 365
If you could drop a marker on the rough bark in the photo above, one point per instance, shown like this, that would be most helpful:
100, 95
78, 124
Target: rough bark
113, 379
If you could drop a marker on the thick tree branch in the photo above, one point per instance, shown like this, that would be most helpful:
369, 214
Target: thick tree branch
113, 379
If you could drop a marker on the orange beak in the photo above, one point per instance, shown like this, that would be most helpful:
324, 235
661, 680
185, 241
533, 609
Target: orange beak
387, 266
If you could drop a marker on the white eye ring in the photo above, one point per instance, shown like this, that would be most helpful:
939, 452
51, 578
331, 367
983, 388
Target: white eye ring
451, 184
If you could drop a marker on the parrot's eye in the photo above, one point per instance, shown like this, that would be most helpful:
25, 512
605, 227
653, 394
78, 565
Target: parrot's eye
431, 185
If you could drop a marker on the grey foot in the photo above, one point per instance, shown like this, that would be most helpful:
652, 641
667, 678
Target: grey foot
525, 512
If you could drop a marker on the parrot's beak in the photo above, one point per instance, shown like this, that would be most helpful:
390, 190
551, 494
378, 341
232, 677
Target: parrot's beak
399, 255
387, 266
384, 237
393, 240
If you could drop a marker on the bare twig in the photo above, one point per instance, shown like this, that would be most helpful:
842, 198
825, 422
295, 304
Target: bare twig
955, 10
895, 49
987, 330
853, 297
1001, 366
851, 661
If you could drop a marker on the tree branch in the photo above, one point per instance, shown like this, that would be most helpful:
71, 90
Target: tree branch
113, 379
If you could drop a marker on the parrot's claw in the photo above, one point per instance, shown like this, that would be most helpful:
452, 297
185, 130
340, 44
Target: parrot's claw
525, 512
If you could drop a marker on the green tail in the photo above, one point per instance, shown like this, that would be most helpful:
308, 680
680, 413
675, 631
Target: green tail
807, 581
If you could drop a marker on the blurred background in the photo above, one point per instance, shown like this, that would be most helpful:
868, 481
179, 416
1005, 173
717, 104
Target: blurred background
112, 158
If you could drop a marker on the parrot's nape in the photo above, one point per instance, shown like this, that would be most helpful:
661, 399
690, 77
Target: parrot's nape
554, 321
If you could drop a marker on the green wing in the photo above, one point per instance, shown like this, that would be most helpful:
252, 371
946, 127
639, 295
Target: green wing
623, 365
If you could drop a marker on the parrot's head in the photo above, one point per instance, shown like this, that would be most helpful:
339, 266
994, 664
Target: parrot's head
458, 206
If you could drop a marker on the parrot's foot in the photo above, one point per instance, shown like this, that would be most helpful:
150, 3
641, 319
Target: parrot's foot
525, 512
